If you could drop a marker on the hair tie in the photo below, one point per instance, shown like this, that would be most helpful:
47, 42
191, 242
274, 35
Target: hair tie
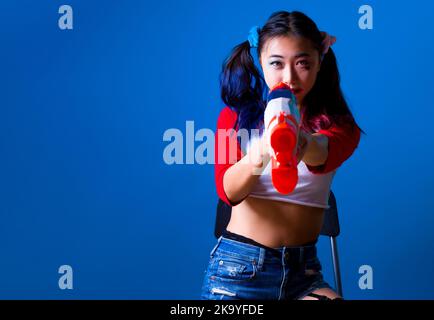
327, 42
253, 37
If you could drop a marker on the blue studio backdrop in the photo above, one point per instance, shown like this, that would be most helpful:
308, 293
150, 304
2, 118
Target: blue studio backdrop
84, 183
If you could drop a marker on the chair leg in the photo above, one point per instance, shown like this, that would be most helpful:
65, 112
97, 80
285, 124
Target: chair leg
336, 268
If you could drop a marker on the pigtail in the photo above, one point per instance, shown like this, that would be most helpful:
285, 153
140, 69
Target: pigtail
325, 105
242, 86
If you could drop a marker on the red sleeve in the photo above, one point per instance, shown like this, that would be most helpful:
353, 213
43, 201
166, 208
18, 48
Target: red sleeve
227, 150
342, 141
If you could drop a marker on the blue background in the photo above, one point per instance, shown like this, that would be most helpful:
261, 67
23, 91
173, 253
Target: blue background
82, 116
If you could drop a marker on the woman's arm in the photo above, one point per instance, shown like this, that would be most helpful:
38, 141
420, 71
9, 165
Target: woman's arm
314, 148
235, 171
326, 150
240, 178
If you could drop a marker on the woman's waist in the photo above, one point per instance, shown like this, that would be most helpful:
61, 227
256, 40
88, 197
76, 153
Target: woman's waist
233, 245
276, 223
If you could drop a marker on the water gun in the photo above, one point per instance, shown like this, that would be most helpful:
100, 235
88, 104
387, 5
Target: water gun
282, 119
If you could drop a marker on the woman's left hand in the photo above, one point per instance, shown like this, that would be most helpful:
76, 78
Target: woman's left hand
304, 139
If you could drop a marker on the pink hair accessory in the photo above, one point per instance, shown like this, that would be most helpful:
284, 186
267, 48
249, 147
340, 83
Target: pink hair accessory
327, 42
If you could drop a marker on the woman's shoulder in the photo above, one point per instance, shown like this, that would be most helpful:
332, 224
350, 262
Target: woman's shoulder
227, 118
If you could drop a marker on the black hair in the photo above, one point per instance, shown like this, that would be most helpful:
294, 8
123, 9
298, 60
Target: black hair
242, 85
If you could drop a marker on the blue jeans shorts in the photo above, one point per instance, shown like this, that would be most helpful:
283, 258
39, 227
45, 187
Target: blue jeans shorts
239, 270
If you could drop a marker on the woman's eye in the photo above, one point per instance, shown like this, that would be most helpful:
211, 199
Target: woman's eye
276, 63
304, 63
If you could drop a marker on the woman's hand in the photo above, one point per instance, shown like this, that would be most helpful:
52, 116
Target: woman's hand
259, 154
260, 151
264, 150
304, 138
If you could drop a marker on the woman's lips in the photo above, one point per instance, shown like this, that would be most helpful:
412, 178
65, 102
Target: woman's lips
297, 91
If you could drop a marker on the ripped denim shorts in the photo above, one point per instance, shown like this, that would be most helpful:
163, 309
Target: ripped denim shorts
240, 270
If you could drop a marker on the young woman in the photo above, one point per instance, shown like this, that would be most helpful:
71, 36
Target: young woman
269, 248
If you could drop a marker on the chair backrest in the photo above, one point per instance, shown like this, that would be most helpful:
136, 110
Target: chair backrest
330, 225
222, 217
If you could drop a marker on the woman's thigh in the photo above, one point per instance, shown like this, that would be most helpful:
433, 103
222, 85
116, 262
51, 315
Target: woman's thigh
309, 280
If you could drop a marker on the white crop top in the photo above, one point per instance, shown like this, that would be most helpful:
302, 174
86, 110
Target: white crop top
311, 189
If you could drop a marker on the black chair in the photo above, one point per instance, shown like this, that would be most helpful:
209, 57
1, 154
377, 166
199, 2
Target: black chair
330, 229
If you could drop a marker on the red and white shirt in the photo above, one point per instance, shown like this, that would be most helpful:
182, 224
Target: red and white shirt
313, 186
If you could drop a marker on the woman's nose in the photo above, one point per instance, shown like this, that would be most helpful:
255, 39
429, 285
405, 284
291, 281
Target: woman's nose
290, 77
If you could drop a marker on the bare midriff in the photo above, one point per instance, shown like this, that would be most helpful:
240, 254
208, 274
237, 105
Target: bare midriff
276, 223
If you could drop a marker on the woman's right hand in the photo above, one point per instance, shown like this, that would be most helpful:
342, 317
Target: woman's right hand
260, 153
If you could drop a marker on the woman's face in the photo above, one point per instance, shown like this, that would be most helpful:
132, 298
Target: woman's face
292, 60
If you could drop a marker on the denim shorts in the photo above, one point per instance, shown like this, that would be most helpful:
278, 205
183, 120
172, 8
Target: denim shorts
239, 270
